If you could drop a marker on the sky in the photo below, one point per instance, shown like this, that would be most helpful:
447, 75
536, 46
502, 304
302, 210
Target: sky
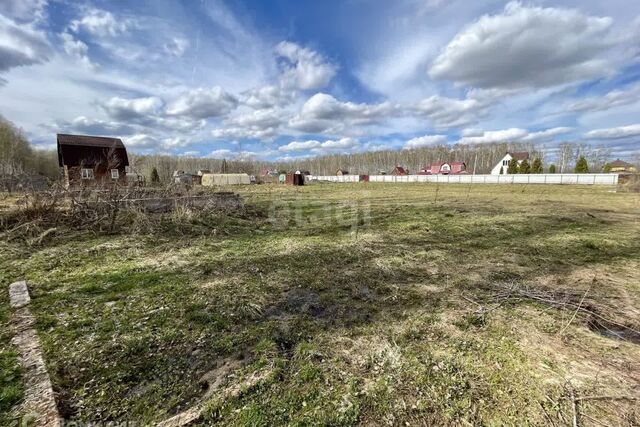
289, 79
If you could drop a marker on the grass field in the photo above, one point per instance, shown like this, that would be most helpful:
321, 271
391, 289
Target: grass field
347, 304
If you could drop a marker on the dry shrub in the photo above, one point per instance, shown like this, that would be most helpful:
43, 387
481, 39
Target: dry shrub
115, 209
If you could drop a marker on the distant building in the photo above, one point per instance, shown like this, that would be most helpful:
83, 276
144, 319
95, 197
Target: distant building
399, 171
213, 179
621, 166
88, 160
342, 172
181, 177
503, 164
444, 168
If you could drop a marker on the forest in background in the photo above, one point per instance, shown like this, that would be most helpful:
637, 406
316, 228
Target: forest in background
18, 157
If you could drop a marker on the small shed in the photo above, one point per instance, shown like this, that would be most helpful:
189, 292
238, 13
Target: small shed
211, 179
399, 171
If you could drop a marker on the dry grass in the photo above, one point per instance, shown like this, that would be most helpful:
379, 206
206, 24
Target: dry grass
367, 304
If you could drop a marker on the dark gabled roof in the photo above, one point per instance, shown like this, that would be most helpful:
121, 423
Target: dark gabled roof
519, 155
89, 141
620, 164
74, 150
400, 170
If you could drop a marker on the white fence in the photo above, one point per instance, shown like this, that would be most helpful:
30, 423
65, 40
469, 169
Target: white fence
549, 178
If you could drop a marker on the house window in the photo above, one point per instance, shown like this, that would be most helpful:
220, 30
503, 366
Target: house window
505, 163
115, 174
87, 173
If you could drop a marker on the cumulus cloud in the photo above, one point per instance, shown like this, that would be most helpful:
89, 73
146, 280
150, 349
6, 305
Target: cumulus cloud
141, 140
425, 141
339, 145
267, 97
91, 126
526, 47
507, 135
324, 113
300, 145
133, 109
258, 124
203, 103
101, 23
303, 67
21, 45
615, 132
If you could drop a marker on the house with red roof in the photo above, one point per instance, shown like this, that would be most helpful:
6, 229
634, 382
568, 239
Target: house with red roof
444, 168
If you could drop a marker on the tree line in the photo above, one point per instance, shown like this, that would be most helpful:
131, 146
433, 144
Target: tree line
18, 157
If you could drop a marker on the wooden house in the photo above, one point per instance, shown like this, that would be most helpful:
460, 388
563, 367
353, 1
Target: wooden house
90, 160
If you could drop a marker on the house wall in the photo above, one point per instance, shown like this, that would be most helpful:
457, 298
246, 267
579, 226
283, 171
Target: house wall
73, 176
498, 166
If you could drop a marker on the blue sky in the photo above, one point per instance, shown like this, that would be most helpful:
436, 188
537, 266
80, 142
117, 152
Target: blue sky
288, 79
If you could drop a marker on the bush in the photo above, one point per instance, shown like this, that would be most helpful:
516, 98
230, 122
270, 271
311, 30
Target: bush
581, 165
524, 167
552, 168
513, 167
536, 167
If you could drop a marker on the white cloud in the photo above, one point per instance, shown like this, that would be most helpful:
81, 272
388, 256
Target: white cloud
177, 46
203, 103
225, 153
305, 68
257, 124
21, 45
141, 141
527, 47
26, 10
329, 146
548, 134
507, 135
101, 23
615, 132
446, 112
615, 98
267, 97
91, 126
76, 48
340, 144
324, 113
511, 135
300, 145
425, 141
130, 109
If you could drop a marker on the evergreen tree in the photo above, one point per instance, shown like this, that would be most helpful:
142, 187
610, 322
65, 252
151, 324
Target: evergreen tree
513, 167
606, 168
552, 168
581, 165
224, 166
155, 178
524, 167
536, 167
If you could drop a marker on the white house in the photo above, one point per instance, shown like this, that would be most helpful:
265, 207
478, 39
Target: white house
504, 162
